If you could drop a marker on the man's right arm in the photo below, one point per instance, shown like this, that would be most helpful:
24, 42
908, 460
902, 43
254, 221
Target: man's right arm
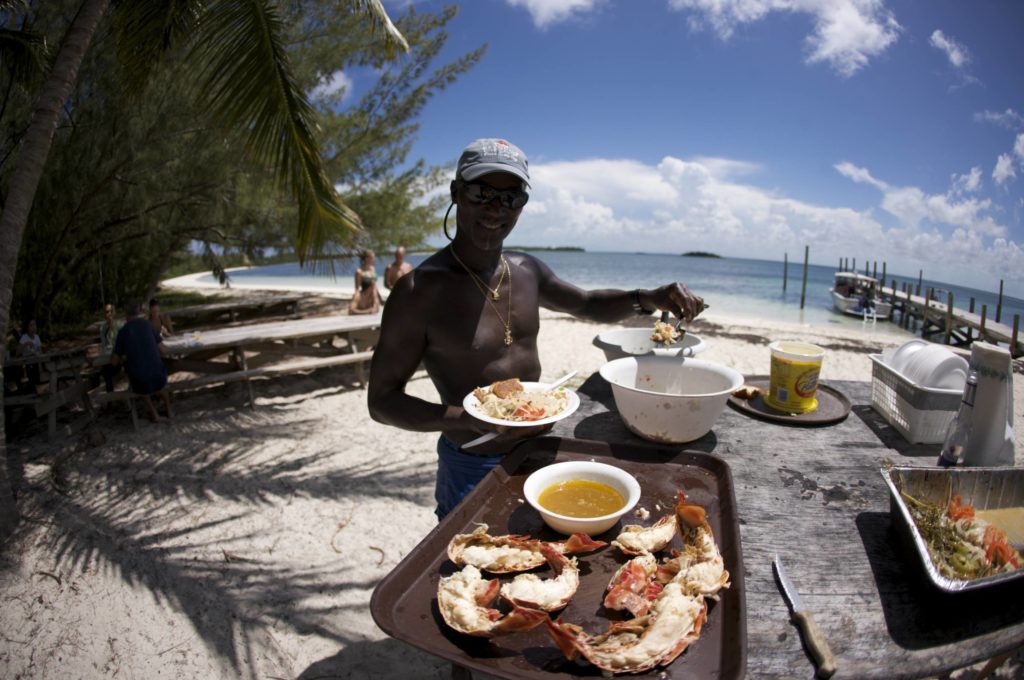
398, 353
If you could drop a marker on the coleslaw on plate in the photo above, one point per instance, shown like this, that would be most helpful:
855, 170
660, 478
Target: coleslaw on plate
508, 400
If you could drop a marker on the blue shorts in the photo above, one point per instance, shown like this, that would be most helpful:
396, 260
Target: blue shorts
458, 473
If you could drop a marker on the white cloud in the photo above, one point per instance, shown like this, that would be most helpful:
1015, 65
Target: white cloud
1008, 118
955, 51
726, 168
1018, 147
847, 33
859, 175
959, 58
333, 86
714, 204
1004, 170
547, 12
912, 206
962, 184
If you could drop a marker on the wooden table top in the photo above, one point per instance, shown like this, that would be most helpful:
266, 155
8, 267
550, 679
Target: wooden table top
183, 344
815, 497
292, 329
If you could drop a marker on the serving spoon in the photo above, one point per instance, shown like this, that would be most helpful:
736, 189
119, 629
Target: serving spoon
679, 328
491, 435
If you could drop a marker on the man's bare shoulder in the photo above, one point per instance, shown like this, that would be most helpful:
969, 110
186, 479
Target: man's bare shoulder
527, 261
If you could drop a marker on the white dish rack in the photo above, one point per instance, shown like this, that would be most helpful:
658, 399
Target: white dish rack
921, 414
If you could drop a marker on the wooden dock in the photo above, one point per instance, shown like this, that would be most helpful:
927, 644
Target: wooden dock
955, 326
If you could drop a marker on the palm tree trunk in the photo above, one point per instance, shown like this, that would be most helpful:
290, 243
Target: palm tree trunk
35, 147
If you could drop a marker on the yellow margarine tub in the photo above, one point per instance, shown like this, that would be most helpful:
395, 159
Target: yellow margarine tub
794, 376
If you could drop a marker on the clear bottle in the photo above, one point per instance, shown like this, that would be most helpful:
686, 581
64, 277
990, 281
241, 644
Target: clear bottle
960, 427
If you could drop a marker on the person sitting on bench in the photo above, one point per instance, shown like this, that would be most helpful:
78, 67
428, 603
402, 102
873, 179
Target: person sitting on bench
141, 349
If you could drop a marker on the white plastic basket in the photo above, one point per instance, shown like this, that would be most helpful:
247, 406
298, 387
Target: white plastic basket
921, 414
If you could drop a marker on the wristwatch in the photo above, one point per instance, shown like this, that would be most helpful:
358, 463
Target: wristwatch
637, 307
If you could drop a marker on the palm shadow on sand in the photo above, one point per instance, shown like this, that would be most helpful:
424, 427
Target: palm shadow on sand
138, 509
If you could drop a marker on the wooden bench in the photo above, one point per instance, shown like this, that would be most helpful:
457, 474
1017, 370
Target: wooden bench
288, 367
65, 386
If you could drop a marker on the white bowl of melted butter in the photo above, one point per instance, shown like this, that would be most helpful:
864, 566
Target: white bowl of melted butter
581, 496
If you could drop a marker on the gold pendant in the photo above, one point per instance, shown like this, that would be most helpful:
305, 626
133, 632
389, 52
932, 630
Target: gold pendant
494, 295
508, 336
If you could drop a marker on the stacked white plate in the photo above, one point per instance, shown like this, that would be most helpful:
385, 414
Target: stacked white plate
928, 365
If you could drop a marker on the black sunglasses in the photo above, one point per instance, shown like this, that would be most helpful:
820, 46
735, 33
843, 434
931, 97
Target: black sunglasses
482, 193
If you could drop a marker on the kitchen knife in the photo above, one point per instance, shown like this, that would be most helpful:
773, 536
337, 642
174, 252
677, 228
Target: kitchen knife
813, 638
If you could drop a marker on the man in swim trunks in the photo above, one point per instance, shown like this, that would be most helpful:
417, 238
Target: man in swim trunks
470, 314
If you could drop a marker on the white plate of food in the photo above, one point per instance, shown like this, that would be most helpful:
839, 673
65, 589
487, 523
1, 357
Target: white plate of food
521, 404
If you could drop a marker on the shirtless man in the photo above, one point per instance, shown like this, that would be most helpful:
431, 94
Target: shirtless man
396, 269
470, 313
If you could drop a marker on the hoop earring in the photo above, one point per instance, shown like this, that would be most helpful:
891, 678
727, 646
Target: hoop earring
446, 212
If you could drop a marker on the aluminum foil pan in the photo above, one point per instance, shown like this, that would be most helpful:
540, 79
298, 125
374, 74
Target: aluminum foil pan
984, 488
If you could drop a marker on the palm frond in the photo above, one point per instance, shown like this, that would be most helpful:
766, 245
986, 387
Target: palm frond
146, 30
247, 82
24, 53
393, 38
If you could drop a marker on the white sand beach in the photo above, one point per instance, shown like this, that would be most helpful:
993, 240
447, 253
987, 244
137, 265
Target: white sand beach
246, 543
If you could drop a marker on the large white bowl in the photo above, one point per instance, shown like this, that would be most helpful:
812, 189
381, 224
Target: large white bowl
627, 342
618, 479
667, 399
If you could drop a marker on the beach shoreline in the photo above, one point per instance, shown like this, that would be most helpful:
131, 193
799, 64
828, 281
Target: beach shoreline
343, 289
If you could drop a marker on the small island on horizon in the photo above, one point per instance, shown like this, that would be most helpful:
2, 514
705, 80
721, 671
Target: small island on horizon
570, 249
701, 253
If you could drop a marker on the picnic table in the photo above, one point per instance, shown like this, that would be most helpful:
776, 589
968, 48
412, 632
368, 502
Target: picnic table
239, 353
62, 372
234, 310
815, 497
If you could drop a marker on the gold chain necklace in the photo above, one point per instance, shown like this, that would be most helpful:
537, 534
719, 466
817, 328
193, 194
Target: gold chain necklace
480, 282
484, 289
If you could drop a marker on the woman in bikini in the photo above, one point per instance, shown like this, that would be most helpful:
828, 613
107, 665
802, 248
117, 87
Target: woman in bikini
367, 298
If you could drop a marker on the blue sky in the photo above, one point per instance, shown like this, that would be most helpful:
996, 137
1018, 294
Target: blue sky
874, 129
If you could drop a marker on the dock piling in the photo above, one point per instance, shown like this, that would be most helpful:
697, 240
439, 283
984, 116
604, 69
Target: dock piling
970, 331
949, 317
803, 288
999, 302
924, 313
981, 331
920, 278
1013, 338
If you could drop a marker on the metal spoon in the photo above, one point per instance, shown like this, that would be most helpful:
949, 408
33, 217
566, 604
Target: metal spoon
679, 324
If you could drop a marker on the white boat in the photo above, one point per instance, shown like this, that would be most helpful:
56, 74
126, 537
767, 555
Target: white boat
857, 295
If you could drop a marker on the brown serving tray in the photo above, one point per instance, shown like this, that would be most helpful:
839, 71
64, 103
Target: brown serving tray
404, 603
833, 406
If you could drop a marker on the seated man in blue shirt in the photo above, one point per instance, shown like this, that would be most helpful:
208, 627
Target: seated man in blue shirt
139, 347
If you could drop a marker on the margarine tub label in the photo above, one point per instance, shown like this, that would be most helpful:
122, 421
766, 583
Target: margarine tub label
794, 376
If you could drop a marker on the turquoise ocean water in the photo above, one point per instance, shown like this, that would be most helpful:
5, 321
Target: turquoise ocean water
734, 286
